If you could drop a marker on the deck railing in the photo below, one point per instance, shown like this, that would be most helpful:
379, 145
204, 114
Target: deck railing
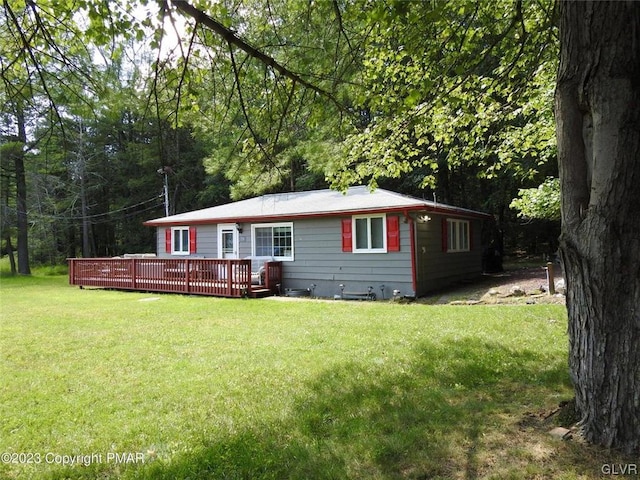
200, 276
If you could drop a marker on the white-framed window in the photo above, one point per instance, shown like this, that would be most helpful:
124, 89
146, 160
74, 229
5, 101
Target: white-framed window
370, 233
457, 235
180, 240
272, 240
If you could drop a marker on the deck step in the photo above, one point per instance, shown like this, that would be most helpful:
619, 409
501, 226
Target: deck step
261, 292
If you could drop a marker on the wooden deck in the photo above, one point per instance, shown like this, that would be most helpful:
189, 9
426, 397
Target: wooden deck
201, 276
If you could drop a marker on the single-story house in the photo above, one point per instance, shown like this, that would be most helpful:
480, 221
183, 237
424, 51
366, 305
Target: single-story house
336, 243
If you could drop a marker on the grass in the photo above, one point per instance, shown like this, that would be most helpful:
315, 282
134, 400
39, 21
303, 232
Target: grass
196, 387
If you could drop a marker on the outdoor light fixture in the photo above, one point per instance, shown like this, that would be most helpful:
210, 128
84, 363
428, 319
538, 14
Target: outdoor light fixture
239, 227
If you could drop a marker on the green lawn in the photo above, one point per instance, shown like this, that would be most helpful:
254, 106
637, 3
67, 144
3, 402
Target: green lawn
196, 387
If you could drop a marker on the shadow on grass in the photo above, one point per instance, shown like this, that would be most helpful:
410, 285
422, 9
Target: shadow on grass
420, 417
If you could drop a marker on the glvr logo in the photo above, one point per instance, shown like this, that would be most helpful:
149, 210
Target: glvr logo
620, 469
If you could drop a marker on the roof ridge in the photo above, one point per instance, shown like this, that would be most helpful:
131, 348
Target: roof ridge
308, 203
312, 191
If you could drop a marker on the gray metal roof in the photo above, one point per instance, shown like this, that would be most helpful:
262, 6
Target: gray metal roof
310, 204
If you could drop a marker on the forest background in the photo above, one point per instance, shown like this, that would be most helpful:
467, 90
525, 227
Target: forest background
104, 102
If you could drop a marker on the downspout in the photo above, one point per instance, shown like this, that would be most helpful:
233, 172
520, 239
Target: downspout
412, 237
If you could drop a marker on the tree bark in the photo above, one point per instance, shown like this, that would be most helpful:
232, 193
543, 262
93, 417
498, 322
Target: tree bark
598, 129
4, 223
12, 260
21, 198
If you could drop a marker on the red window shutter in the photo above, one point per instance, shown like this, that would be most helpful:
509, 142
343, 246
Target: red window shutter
393, 234
192, 240
347, 236
445, 232
167, 240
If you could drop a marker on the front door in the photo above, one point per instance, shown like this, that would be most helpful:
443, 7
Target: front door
227, 241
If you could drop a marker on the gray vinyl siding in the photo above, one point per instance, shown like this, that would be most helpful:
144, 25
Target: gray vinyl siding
207, 241
319, 260
436, 268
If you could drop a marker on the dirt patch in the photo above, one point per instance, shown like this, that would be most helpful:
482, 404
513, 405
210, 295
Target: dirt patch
522, 285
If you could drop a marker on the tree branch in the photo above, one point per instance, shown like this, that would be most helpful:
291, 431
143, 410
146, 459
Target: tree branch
36, 64
184, 69
258, 141
284, 113
336, 9
231, 38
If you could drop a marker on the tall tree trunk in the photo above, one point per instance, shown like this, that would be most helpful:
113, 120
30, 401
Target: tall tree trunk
4, 225
12, 260
21, 198
598, 122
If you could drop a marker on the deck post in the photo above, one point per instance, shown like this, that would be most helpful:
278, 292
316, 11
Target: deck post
72, 271
187, 283
229, 278
550, 279
273, 276
134, 273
